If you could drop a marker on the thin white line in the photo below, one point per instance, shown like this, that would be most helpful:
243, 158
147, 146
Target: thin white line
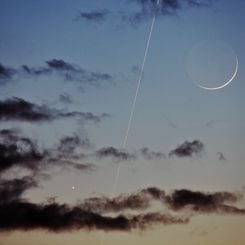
134, 101
135, 98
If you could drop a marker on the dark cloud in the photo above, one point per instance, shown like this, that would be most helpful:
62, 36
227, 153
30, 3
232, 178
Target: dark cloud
115, 153
93, 16
123, 155
11, 190
72, 72
68, 71
55, 217
23, 152
90, 214
35, 71
61, 65
221, 156
178, 200
21, 110
6, 74
188, 149
65, 98
151, 155
204, 202
16, 150
149, 8
69, 143
140, 200
18, 214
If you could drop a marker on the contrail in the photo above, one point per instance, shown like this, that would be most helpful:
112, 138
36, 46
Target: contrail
136, 95
134, 102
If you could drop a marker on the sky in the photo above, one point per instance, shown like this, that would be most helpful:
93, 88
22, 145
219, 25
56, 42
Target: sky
69, 71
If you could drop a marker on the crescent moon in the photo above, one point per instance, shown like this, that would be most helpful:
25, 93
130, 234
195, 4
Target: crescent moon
223, 85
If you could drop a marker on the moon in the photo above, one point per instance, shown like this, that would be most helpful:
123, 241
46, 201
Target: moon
212, 65
225, 83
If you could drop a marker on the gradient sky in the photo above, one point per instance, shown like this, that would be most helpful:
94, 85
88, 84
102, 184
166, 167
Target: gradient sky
103, 53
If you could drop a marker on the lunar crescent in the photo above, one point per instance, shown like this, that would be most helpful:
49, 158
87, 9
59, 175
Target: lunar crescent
223, 85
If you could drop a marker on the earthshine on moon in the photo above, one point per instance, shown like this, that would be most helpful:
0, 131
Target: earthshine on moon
212, 65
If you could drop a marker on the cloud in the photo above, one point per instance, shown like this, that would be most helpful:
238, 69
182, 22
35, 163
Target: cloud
69, 143
16, 150
188, 149
35, 71
204, 202
115, 153
11, 190
17, 109
6, 74
140, 10
123, 155
68, 71
65, 98
151, 155
56, 217
221, 156
72, 72
93, 16
23, 152
149, 8
90, 214
140, 200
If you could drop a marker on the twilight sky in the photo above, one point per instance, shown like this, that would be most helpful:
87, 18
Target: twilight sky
68, 75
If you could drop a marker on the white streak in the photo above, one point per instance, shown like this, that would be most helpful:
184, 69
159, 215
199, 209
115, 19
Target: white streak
135, 96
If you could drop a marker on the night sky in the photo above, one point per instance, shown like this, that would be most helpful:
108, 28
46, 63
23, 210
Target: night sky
68, 76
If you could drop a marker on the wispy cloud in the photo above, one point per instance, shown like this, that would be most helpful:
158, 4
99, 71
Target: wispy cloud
17, 109
92, 16
221, 156
12, 190
142, 10
65, 98
24, 153
90, 213
188, 149
124, 155
6, 74
117, 154
68, 71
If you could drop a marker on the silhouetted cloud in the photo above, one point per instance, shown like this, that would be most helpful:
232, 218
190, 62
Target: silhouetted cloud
56, 217
178, 201
221, 156
65, 98
21, 110
72, 72
23, 152
124, 155
148, 8
140, 200
6, 74
90, 214
151, 155
69, 143
140, 10
16, 150
11, 190
204, 202
68, 71
115, 153
36, 71
92, 16
188, 149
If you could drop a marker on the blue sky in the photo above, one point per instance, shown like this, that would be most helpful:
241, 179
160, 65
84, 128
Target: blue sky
170, 108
